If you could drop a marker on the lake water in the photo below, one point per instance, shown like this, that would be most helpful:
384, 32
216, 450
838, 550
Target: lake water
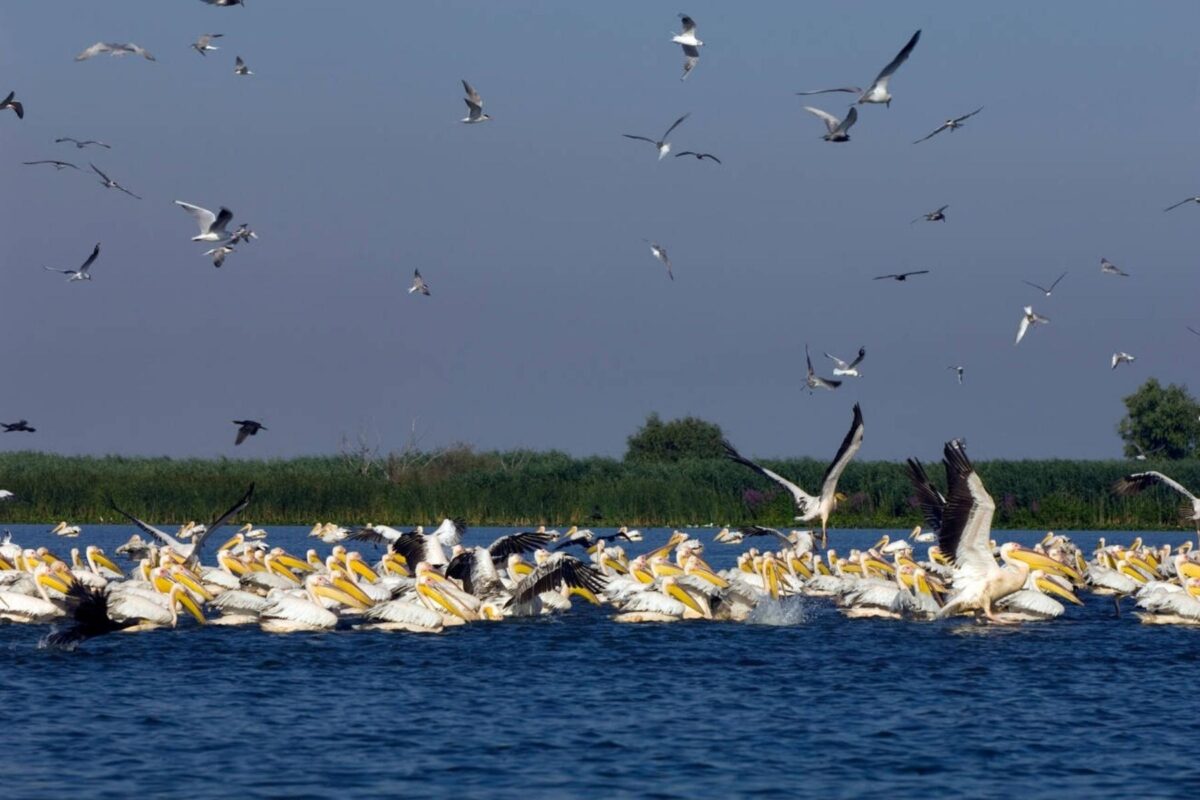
577, 706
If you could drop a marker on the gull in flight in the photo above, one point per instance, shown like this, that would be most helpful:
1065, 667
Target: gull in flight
218, 253
20, 426
109, 183
15, 105
474, 106
1028, 318
1109, 268
212, 226
1183, 202
878, 90
247, 427
662, 145
1142, 455
660, 252
82, 273
849, 370
837, 130
901, 276
699, 156
1121, 358
225, 3
114, 49
79, 145
933, 216
812, 381
950, 124
240, 68
958, 371
58, 165
1043, 289
204, 43
418, 284
1135, 483
691, 45
242, 234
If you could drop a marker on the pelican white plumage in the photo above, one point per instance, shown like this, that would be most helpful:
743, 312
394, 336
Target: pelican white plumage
1034, 602
474, 106
63, 529
850, 370
1029, 317
1121, 357
290, 612
82, 273
877, 92
836, 130
212, 226
661, 145
691, 45
1139, 481
191, 550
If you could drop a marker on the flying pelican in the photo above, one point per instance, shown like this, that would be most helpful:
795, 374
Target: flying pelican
878, 90
191, 550
212, 226
901, 276
849, 370
699, 156
474, 106
81, 144
16, 105
1119, 358
58, 165
1109, 268
219, 253
20, 426
247, 427
1182, 202
950, 124
116, 49
929, 498
109, 183
418, 284
660, 252
204, 43
691, 45
1138, 481
1043, 289
812, 380
810, 507
662, 145
958, 371
933, 216
837, 130
240, 68
1028, 317
82, 273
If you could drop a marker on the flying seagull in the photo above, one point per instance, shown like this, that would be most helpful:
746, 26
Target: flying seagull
1028, 318
699, 156
836, 130
849, 370
82, 273
212, 226
226, 3
1142, 455
878, 91
950, 124
204, 43
247, 427
660, 252
15, 105
809, 507
1135, 483
79, 145
662, 145
691, 45
419, 284
1121, 358
1109, 268
20, 426
218, 253
933, 216
58, 165
958, 371
109, 183
474, 106
240, 68
812, 381
242, 234
1177, 205
116, 49
1043, 289
901, 276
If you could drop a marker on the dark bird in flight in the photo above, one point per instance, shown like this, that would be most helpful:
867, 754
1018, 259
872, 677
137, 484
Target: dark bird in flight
81, 144
933, 216
1168, 208
662, 145
90, 614
109, 183
20, 426
58, 165
950, 124
247, 427
1043, 289
699, 156
901, 276
225, 3
15, 105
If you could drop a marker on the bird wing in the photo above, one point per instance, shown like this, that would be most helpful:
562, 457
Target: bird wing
1043, 289
95, 254
1056, 280
831, 122
1193, 330
237, 61
862, 353
850, 446
893, 65
943, 208
808, 360
689, 24
916, 272
165, 538
840, 364
94, 50
847, 123
473, 97
450, 532
762, 530
242, 433
938, 130
932, 502
63, 271
377, 534
1132, 484
204, 218
199, 539
224, 217
98, 172
1022, 328
709, 155
802, 498
140, 51
691, 59
641, 138
514, 543
675, 125
885, 277
560, 569
850, 89
126, 191
968, 116
967, 521
1181, 202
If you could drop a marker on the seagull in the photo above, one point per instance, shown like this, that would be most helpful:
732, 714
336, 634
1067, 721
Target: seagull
212, 226
79, 145
837, 130
1132, 484
240, 68
1043, 289
901, 276
660, 252
242, 234
1121, 358
15, 105
950, 124
662, 145
1028, 318
959, 372
114, 49
699, 156
933, 216
82, 273
58, 165
247, 427
20, 426
1168, 208
418, 284
1109, 268
226, 3
1142, 455
219, 253
691, 45
849, 370
204, 43
474, 106
878, 91
815, 382
109, 183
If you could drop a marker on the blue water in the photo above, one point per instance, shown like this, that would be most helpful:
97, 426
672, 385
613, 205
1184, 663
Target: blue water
577, 706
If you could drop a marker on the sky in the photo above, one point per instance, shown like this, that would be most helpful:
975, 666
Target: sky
550, 325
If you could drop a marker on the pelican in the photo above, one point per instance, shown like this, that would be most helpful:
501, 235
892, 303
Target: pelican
99, 611
212, 226
1043, 289
109, 183
240, 68
938, 215
812, 380
289, 612
810, 507
14, 104
691, 45
474, 106
116, 49
1028, 317
204, 44
418, 284
475, 567
951, 124
191, 550
1034, 601
661, 145
1182, 202
82, 273
660, 253
1109, 268
849, 370
553, 572
403, 615
1120, 357
1138, 481
877, 92
63, 529
836, 130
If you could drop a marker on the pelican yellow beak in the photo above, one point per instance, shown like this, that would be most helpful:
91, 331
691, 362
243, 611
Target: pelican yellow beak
1141, 563
491, 613
53, 582
273, 565
338, 596
232, 542
184, 599
1053, 587
615, 566
937, 555
363, 570
185, 579
1189, 569
439, 599
586, 594
162, 584
1045, 563
679, 594
291, 562
521, 568
396, 565
107, 563
880, 566
348, 586
664, 569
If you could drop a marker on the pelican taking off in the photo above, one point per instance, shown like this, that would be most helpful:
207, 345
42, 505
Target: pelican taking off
662, 145
1028, 317
691, 45
877, 92
191, 549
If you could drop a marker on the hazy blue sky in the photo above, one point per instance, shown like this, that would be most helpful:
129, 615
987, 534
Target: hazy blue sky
550, 324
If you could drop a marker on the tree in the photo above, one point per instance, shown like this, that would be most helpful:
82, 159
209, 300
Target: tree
678, 439
1164, 423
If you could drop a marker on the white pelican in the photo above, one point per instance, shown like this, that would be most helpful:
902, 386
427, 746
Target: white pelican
1033, 601
850, 369
1028, 317
1135, 483
475, 567
951, 124
403, 615
63, 529
836, 130
17, 606
192, 549
212, 226
474, 106
810, 507
1109, 268
82, 273
661, 145
555, 571
877, 92
691, 45
290, 612
1119, 358
1171, 605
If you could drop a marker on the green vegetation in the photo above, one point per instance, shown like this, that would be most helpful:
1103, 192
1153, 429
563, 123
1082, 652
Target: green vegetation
524, 487
1164, 423
677, 440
